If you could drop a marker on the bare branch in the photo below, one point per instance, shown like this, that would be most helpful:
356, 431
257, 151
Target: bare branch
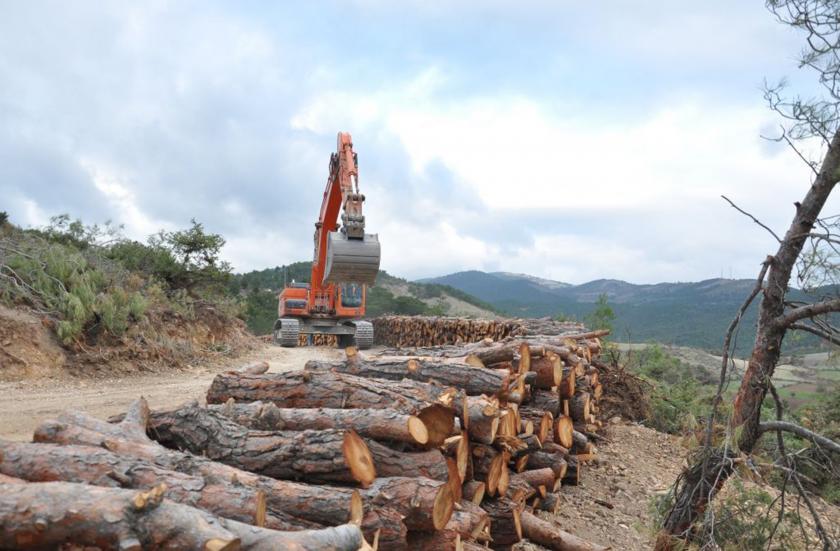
833, 339
754, 219
793, 428
809, 311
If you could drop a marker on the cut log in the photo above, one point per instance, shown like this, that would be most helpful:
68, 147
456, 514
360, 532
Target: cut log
566, 387
545, 400
99, 467
467, 522
426, 504
390, 462
48, 515
472, 380
579, 407
564, 431
549, 370
543, 422
307, 503
572, 474
384, 527
505, 522
581, 444
459, 447
550, 503
316, 456
379, 424
519, 491
314, 389
488, 465
552, 460
551, 536
481, 416
473, 490
544, 477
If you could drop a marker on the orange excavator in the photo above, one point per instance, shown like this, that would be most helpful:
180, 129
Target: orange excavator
346, 260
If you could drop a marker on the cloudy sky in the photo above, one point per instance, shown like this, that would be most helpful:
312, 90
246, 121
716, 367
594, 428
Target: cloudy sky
572, 141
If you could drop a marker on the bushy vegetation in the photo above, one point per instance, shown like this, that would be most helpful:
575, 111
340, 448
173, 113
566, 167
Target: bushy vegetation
91, 282
681, 392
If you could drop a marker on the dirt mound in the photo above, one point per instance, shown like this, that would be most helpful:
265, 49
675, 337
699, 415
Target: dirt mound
162, 341
28, 349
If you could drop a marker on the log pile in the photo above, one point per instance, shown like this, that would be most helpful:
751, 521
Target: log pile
461, 447
432, 331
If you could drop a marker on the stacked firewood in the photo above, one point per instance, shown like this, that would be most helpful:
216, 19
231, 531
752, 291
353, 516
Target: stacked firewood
317, 339
459, 447
421, 331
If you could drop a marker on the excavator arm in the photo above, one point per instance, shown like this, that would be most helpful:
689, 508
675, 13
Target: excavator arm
345, 253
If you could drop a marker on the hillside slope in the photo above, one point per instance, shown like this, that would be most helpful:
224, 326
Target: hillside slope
690, 314
390, 295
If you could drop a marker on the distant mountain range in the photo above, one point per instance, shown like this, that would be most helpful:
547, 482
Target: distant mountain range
687, 314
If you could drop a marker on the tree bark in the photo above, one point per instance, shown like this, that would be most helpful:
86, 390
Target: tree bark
390, 462
320, 456
551, 536
466, 523
505, 524
322, 505
378, 424
472, 380
99, 467
312, 389
425, 504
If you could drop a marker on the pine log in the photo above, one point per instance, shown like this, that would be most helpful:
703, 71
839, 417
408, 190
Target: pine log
579, 407
472, 380
543, 422
378, 424
551, 536
549, 370
572, 475
337, 538
546, 459
488, 467
390, 462
458, 447
481, 417
505, 524
99, 467
566, 388
48, 515
519, 490
316, 456
384, 527
473, 490
550, 503
544, 477
426, 504
493, 354
545, 400
564, 431
313, 389
467, 522
307, 503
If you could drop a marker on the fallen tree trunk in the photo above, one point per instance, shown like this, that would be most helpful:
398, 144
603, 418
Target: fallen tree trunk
378, 424
320, 456
314, 389
472, 380
551, 536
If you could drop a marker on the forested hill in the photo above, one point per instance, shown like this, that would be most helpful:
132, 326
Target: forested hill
689, 314
390, 295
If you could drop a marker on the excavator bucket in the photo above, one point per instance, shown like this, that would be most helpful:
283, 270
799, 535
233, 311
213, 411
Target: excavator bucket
352, 260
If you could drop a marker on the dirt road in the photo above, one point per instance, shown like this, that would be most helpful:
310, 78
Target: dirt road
26, 404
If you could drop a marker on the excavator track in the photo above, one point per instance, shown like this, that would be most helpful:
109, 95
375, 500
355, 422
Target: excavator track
287, 332
364, 334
